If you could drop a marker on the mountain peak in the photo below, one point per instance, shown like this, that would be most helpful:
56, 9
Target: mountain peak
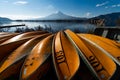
59, 16
59, 12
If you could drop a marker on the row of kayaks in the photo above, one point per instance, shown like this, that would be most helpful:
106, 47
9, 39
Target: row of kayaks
31, 56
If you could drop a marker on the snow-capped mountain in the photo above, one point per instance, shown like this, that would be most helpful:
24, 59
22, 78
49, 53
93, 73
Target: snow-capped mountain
60, 16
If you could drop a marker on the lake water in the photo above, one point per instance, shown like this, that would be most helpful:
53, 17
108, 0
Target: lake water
82, 27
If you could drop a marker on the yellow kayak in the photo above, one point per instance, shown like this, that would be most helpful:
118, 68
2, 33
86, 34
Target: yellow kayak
24, 36
6, 49
96, 60
65, 57
11, 44
8, 35
5, 33
37, 63
108, 46
102, 39
16, 56
3, 38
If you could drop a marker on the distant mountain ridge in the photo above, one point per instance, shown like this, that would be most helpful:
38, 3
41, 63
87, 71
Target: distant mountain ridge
4, 19
110, 19
60, 16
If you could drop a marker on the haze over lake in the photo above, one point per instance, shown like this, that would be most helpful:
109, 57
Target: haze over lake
54, 25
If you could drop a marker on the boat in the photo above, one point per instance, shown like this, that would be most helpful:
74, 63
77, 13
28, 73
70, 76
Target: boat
11, 44
103, 39
109, 47
62, 56
37, 63
5, 33
101, 65
6, 49
24, 36
5, 37
18, 56
8, 35
65, 57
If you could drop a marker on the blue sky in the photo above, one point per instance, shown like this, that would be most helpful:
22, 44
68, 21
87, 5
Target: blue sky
24, 9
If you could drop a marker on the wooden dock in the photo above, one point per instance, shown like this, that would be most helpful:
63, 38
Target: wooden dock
9, 26
108, 32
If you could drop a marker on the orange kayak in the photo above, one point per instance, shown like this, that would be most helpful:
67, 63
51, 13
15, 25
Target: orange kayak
108, 46
37, 62
24, 36
3, 38
11, 44
16, 57
5, 33
65, 57
96, 60
6, 49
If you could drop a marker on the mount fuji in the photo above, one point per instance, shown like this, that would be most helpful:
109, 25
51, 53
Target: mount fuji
60, 16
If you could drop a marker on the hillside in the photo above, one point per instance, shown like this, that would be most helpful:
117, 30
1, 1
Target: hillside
4, 20
110, 19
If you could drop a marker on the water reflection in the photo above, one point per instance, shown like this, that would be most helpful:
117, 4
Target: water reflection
2, 23
55, 25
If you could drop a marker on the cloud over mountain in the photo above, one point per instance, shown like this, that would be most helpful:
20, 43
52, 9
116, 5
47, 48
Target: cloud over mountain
102, 4
20, 2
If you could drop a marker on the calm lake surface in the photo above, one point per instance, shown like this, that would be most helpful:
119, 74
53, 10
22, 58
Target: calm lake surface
54, 25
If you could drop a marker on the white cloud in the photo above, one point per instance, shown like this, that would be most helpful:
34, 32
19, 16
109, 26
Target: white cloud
88, 14
20, 2
14, 17
117, 5
50, 7
106, 7
102, 4
114, 6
